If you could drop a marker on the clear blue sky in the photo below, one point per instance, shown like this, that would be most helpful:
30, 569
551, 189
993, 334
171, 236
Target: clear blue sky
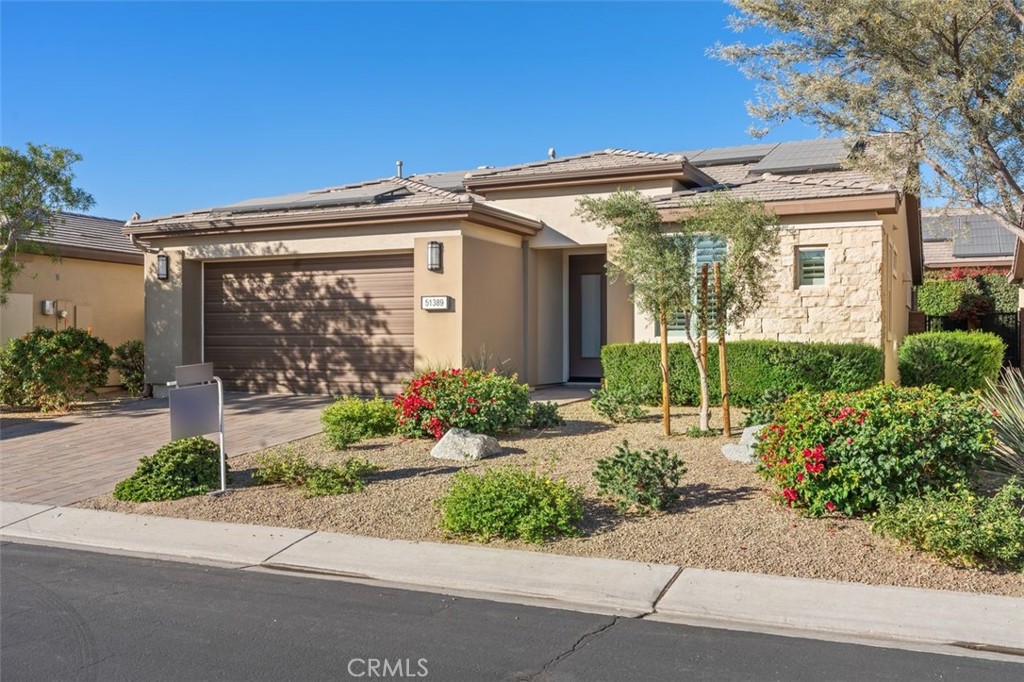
177, 106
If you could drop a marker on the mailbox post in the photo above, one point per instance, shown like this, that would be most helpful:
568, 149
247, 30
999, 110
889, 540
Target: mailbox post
196, 401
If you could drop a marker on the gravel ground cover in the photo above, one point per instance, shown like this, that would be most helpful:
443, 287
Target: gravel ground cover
724, 521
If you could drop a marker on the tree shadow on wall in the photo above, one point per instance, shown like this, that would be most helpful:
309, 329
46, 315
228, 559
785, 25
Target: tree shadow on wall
310, 326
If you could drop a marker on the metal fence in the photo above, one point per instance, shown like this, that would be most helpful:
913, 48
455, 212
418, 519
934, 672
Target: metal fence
1004, 325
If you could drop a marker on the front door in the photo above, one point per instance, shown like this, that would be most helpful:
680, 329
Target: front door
588, 316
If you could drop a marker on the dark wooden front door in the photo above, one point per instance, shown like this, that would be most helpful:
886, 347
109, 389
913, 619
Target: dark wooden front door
588, 316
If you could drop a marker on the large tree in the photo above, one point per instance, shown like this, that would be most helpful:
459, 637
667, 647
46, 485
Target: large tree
947, 74
35, 187
658, 260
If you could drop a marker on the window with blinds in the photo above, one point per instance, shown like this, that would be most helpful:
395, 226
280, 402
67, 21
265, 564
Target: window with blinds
810, 267
708, 250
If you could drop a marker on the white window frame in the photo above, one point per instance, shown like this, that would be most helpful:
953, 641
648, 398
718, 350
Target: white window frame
800, 251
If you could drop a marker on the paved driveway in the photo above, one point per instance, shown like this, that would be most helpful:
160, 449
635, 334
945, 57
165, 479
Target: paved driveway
66, 459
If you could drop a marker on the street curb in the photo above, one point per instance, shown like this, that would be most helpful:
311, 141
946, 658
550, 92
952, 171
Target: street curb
972, 621
609, 586
830, 609
221, 544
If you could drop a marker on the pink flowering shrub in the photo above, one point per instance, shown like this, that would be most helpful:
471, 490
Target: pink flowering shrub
481, 402
850, 452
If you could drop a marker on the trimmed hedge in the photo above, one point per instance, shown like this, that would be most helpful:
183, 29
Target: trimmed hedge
958, 360
754, 368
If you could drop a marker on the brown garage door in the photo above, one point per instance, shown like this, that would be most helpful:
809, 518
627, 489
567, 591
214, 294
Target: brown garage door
327, 325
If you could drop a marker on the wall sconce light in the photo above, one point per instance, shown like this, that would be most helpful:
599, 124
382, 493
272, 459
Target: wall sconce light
434, 254
163, 266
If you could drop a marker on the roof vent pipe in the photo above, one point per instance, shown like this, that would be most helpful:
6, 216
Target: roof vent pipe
398, 168
551, 152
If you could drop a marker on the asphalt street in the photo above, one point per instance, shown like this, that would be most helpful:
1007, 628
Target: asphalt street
73, 615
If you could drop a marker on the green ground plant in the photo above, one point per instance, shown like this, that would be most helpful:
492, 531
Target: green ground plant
295, 471
350, 420
960, 526
640, 481
510, 503
181, 468
616, 405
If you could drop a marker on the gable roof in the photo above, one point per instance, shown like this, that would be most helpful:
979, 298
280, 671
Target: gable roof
371, 201
76, 235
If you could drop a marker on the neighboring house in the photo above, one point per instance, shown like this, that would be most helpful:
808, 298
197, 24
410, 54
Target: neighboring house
96, 282
345, 289
964, 240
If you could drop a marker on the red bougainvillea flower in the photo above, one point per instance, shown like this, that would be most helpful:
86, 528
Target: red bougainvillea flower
789, 494
799, 478
830, 505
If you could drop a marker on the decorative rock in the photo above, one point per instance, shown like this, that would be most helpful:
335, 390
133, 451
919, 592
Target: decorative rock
738, 453
464, 445
749, 436
744, 451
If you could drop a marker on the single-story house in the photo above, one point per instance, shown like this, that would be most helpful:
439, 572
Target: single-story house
95, 283
346, 289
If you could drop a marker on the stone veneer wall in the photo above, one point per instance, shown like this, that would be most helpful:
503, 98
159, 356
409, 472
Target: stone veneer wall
847, 308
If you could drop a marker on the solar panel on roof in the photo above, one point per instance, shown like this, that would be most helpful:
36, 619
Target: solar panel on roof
939, 228
352, 196
744, 153
808, 155
984, 237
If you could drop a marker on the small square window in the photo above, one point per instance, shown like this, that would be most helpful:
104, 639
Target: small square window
810, 267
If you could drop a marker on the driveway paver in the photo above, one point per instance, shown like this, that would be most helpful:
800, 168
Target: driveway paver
70, 458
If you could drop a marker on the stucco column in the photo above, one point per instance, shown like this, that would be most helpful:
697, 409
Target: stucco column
173, 318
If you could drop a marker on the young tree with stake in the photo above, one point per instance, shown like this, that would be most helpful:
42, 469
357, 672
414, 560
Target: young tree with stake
661, 267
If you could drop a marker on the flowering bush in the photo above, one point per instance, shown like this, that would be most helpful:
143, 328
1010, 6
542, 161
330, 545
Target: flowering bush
481, 402
850, 452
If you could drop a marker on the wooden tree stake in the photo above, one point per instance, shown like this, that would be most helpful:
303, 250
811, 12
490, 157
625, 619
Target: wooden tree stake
723, 371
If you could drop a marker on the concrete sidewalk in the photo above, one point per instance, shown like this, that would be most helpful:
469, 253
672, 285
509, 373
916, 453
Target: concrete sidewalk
934, 620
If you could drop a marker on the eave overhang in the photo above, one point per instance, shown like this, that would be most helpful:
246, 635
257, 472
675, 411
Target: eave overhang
488, 216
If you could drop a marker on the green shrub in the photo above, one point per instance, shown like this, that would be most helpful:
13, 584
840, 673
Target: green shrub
640, 480
350, 420
295, 471
510, 503
1004, 295
764, 410
961, 527
129, 359
754, 368
542, 415
616, 405
941, 297
959, 360
481, 402
850, 452
50, 369
1006, 401
184, 467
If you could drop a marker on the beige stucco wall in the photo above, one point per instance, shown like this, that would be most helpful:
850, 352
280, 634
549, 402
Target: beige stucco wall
546, 317
173, 318
492, 323
556, 207
896, 285
106, 297
438, 334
